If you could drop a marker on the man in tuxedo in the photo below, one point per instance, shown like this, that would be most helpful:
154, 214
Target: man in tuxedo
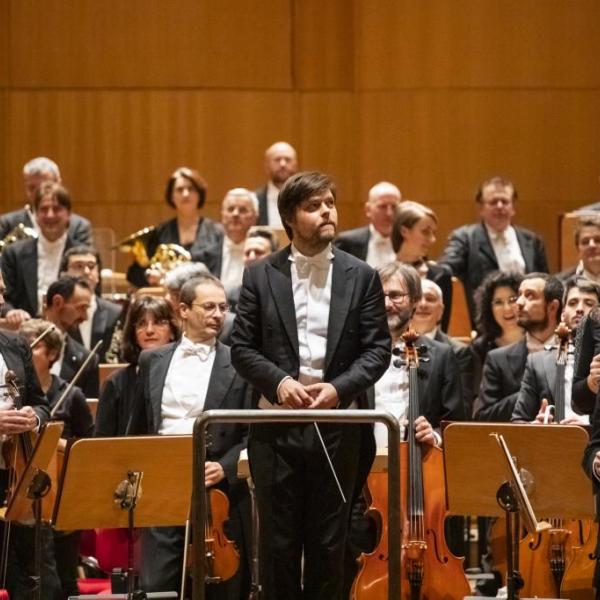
539, 306
373, 243
426, 321
103, 316
225, 259
67, 303
281, 162
176, 383
310, 332
538, 387
493, 244
35, 172
15, 356
30, 266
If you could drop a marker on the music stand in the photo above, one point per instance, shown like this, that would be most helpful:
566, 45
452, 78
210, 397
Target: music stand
26, 502
548, 459
142, 481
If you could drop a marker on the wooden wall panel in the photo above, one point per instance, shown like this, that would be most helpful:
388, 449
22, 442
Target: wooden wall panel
324, 45
474, 43
151, 43
4, 36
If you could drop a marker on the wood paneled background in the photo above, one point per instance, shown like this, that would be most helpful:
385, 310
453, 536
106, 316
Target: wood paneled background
433, 95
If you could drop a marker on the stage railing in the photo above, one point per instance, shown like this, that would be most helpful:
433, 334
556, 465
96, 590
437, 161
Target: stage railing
295, 416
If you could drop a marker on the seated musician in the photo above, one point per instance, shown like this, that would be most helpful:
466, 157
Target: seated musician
30, 266
78, 422
150, 323
440, 393
539, 306
587, 242
103, 316
17, 550
67, 302
186, 194
176, 383
538, 385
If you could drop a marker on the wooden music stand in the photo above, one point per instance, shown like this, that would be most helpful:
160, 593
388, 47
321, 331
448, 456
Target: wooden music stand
548, 459
143, 481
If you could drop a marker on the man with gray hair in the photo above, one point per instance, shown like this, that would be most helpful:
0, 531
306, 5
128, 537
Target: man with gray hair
225, 259
35, 172
281, 162
373, 243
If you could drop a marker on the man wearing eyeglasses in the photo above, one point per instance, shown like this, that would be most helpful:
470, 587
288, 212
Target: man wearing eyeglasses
177, 382
493, 244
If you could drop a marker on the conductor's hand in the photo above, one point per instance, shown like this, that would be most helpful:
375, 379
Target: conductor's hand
424, 432
292, 394
213, 473
596, 465
18, 421
324, 395
593, 379
539, 418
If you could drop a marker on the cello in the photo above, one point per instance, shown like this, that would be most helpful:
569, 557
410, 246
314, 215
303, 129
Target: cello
429, 570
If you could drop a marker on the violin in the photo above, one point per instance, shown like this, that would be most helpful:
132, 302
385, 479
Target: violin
426, 560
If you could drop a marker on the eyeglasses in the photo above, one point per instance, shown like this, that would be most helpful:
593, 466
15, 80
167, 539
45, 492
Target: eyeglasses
498, 302
210, 307
396, 297
141, 325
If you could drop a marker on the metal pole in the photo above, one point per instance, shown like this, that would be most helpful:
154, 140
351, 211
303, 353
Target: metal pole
295, 416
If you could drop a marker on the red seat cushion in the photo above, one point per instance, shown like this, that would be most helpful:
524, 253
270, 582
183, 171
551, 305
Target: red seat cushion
94, 586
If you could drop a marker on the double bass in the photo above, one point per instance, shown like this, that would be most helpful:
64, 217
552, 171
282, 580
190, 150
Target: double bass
429, 570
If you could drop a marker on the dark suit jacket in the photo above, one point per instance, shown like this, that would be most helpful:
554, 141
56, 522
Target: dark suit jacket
265, 335
17, 356
355, 241
263, 212
464, 359
502, 373
74, 410
212, 257
116, 403
208, 233
80, 229
469, 255
587, 345
105, 320
19, 268
74, 356
226, 390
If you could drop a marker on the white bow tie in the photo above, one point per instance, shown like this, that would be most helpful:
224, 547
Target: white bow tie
202, 351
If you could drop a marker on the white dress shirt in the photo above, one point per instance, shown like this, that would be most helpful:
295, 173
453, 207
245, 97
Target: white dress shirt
379, 251
569, 412
5, 400
49, 256
391, 394
273, 217
311, 286
186, 385
232, 264
85, 328
507, 250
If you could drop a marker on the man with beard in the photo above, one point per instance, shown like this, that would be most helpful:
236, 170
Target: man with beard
539, 380
281, 162
539, 305
440, 394
310, 332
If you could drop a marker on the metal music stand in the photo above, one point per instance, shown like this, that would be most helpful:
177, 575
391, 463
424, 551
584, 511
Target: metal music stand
548, 460
142, 481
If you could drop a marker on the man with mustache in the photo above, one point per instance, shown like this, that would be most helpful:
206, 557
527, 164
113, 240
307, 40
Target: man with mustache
310, 332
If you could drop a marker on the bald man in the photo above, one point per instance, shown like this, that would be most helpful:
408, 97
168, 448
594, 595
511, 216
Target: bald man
281, 162
373, 243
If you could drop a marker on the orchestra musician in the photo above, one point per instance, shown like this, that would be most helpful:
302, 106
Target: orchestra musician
186, 194
538, 384
15, 355
310, 332
150, 323
176, 383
